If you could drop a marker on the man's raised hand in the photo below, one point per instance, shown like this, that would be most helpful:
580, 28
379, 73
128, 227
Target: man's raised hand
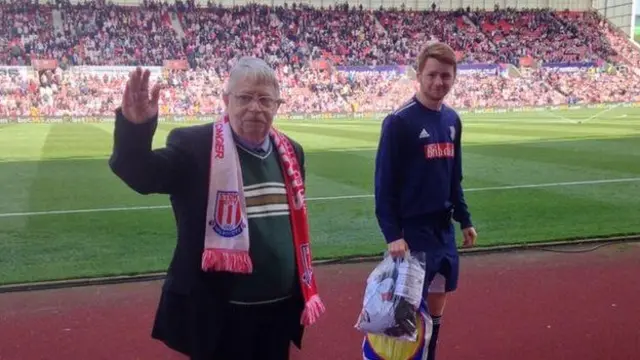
137, 106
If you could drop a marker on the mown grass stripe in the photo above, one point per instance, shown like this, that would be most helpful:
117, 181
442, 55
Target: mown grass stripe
328, 198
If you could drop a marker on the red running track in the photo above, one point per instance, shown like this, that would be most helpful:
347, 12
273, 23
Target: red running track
512, 306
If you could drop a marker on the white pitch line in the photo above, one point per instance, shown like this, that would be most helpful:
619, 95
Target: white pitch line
554, 115
595, 116
328, 198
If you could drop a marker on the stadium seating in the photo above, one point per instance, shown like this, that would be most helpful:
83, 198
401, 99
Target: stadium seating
329, 60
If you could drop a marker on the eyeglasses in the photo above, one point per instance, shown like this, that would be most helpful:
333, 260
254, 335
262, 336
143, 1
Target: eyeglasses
266, 102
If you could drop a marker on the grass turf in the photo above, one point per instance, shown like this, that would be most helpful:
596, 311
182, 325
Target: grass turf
529, 177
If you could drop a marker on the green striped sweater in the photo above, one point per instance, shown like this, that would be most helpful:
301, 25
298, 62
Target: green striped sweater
271, 241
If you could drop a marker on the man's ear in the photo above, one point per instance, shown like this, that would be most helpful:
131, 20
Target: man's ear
225, 99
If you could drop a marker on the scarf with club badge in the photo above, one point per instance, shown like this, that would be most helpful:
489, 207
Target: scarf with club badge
226, 240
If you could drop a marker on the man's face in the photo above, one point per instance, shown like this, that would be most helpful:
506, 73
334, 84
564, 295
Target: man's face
436, 79
251, 107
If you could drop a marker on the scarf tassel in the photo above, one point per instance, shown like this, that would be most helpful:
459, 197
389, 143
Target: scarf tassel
220, 260
312, 311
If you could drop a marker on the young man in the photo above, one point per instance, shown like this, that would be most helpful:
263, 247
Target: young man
418, 180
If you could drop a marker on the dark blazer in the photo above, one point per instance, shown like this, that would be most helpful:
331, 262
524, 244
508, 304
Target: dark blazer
193, 305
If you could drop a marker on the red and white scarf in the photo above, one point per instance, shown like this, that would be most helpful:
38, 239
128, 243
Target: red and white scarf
226, 240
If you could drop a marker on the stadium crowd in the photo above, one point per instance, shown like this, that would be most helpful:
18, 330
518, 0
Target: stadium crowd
308, 47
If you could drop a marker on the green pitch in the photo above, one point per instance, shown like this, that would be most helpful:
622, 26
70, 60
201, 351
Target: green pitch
529, 177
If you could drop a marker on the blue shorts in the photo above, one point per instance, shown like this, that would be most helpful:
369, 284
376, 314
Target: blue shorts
442, 259
442, 274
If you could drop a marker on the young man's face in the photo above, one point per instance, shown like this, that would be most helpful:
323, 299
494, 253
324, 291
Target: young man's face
436, 79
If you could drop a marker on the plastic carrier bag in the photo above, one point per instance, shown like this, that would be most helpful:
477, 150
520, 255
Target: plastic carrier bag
393, 297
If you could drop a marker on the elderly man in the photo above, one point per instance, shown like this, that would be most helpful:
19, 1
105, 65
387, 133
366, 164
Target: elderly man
240, 285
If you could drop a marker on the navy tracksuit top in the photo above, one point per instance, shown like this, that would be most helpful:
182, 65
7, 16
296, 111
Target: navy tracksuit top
418, 169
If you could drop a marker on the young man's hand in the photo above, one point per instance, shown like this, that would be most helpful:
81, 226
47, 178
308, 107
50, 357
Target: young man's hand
469, 234
398, 248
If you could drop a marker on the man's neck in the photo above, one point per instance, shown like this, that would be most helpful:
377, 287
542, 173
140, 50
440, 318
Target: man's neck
250, 144
428, 103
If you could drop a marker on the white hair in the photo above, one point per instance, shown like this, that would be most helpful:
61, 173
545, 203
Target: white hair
256, 69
